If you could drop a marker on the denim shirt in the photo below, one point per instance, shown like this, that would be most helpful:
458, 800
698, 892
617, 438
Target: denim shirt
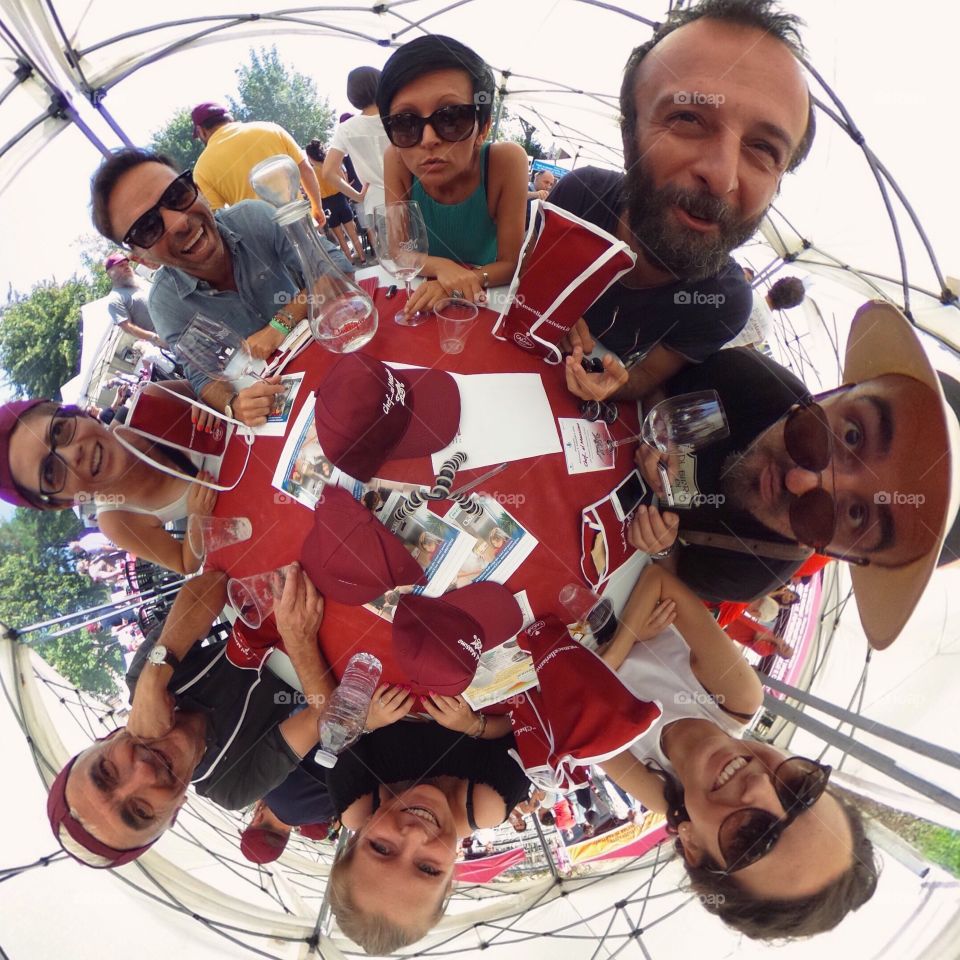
266, 271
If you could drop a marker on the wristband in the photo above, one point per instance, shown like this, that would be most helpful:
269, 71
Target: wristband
483, 726
279, 327
286, 319
663, 554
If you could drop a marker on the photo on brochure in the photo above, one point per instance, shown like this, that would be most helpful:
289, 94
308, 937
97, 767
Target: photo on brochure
303, 469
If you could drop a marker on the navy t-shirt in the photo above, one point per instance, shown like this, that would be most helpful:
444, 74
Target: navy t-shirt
692, 319
755, 392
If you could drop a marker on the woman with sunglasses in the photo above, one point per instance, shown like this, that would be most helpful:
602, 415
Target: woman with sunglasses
767, 848
435, 99
52, 457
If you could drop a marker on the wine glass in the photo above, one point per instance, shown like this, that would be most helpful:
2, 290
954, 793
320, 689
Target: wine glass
217, 351
682, 424
402, 244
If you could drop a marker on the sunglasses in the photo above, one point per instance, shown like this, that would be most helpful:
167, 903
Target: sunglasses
149, 227
452, 123
746, 836
53, 468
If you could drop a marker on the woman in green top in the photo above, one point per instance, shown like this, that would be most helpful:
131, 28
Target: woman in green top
435, 99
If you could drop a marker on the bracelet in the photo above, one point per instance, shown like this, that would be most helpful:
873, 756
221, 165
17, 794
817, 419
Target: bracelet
486, 277
279, 327
483, 726
288, 321
663, 554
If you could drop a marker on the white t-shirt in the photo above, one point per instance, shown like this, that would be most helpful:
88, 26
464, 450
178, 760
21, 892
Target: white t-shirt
364, 139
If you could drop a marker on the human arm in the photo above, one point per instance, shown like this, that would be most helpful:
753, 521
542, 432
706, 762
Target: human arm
128, 326
198, 604
299, 612
333, 173
311, 187
250, 405
620, 382
631, 775
455, 713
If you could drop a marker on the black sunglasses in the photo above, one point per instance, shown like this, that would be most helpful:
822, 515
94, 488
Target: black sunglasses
746, 836
149, 227
452, 123
53, 468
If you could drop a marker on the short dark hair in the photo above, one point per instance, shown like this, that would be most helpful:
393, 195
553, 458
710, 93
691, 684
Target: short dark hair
362, 83
759, 14
428, 55
102, 183
315, 151
787, 292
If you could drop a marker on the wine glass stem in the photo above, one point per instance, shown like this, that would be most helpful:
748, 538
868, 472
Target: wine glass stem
408, 283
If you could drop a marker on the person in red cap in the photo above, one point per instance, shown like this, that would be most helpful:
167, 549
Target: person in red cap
266, 836
232, 149
766, 845
209, 716
128, 306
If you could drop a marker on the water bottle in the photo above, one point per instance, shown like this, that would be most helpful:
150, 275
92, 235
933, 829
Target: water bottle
344, 719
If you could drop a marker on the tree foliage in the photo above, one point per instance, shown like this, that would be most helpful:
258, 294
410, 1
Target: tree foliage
268, 91
176, 141
38, 582
40, 335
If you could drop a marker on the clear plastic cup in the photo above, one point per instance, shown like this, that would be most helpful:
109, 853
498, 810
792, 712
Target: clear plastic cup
586, 607
209, 534
455, 320
254, 597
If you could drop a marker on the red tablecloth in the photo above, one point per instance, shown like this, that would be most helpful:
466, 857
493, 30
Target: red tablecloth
547, 501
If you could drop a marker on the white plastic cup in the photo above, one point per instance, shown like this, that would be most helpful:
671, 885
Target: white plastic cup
254, 597
455, 320
209, 534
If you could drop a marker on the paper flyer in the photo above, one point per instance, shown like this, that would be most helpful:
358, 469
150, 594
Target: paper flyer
502, 543
586, 445
303, 469
504, 671
279, 415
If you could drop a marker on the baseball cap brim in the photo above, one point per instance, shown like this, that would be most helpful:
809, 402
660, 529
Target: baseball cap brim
259, 845
882, 342
434, 412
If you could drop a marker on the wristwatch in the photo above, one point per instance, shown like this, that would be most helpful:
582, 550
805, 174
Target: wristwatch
228, 406
160, 655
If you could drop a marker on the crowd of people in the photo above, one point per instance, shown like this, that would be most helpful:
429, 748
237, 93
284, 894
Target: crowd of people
798, 476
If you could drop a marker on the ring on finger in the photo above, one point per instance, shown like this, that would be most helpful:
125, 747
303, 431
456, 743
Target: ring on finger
457, 293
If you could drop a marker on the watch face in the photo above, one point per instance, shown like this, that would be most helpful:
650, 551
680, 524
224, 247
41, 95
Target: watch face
158, 654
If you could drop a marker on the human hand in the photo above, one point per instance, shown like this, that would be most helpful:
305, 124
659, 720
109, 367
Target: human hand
578, 335
652, 531
388, 705
204, 420
452, 276
454, 713
319, 216
662, 615
594, 386
151, 712
425, 297
200, 499
363, 192
299, 611
648, 459
253, 404
264, 342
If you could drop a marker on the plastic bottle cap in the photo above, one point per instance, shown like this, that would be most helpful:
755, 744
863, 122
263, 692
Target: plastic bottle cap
325, 758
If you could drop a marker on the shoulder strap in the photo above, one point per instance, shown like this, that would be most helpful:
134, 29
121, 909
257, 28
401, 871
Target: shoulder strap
759, 548
471, 819
484, 164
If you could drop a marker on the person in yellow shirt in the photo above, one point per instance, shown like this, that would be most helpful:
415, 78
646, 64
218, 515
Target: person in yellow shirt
232, 149
333, 195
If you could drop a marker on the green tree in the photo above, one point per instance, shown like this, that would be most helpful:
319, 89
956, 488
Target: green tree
38, 582
269, 91
40, 335
175, 140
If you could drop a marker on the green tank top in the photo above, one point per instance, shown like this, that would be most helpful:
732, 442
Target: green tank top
464, 232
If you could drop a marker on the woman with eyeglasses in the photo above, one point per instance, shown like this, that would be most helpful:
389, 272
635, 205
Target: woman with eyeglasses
52, 457
436, 99
766, 846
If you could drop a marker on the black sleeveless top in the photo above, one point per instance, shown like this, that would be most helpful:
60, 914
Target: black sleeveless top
421, 751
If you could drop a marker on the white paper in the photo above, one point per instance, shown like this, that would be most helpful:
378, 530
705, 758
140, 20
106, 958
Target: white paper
586, 445
279, 416
503, 417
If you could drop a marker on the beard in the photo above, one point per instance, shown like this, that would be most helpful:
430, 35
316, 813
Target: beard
668, 244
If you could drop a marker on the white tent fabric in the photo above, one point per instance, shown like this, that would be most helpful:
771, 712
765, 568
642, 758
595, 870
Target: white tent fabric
97, 327
116, 45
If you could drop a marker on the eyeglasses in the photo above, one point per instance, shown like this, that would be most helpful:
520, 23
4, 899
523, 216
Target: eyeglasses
53, 468
149, 227
452, 123
746, 836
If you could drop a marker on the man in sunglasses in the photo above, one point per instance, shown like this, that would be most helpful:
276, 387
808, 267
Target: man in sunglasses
236, 266
211, 716
715, 110
865, 473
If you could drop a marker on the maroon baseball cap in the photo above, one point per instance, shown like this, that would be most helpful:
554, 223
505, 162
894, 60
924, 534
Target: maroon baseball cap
350, 556
74, 838
114, 259
438, 641
314, 831
205, 112
368, 413
261, 845
10, 414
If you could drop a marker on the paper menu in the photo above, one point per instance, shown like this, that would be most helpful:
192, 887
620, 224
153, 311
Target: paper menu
503, 416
